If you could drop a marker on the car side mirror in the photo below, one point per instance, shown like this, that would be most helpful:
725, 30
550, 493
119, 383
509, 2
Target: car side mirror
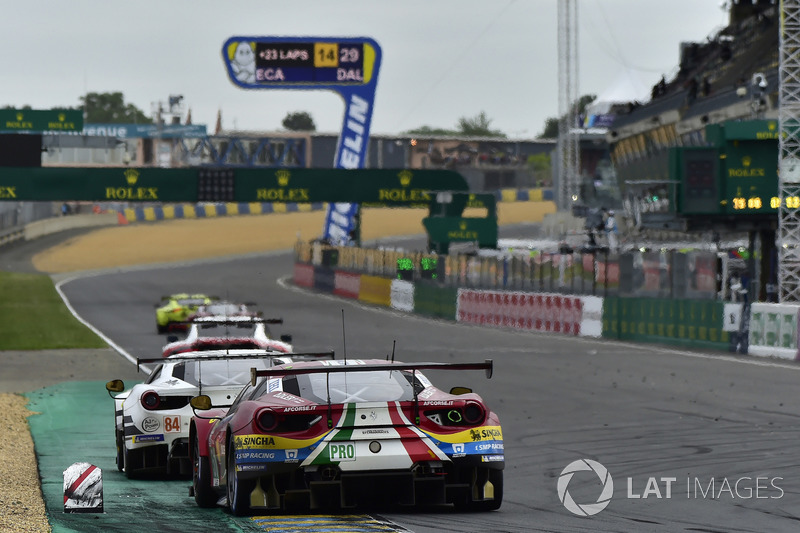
115, 385
457, 391
286, 338
201, 402
172, 338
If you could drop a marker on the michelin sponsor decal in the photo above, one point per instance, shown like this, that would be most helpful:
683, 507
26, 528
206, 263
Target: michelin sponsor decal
147, 438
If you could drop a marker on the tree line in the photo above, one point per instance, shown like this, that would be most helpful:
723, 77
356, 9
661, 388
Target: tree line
110, 108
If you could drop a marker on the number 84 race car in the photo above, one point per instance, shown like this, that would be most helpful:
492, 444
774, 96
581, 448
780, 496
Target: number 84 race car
342, 434
152, 418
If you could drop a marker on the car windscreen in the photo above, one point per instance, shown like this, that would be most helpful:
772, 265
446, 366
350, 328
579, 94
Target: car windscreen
222, 309
191, 302
221, 372
373, 386
227, 330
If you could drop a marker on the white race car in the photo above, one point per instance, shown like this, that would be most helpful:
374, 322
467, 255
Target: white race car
152, 418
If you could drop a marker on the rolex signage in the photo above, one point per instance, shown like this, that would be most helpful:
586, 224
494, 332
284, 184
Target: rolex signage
384, 187
36, 120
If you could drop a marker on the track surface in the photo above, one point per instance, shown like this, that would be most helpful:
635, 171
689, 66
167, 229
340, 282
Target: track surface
642, 411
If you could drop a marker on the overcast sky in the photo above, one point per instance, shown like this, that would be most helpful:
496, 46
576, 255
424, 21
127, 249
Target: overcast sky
442, 59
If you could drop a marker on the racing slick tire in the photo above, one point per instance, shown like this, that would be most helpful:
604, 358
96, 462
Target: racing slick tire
238, 489
496, 478
204, 495
161, 329
120, 451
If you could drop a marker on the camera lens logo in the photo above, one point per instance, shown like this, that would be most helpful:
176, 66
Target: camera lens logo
586, 509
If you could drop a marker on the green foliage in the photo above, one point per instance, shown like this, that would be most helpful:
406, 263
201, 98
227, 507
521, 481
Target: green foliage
432, 132
551, 124
478, 126
540, 166
110, 108
550, 129
300, 121
34, 316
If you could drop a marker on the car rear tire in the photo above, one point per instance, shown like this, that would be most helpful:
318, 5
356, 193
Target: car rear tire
204, 495
133, 462
160, 328
120, 451
238, 489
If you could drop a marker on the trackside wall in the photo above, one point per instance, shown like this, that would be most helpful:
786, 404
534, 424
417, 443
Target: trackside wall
698, 323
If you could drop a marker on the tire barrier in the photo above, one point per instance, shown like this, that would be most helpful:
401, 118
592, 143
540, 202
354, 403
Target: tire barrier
553, 313
685, 322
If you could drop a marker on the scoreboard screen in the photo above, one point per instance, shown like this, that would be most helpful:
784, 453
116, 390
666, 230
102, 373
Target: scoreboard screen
273, 62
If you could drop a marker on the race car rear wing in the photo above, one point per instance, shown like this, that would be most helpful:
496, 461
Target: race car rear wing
255, 373
305, 356
242, 321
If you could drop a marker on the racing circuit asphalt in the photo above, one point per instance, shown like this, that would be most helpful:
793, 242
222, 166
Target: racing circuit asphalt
656, 418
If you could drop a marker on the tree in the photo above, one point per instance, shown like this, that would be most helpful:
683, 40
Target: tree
432, 132
110, 108
540, 166
478, 126
551, 124
300, 121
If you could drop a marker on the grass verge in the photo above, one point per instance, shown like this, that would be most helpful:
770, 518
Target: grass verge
34, 317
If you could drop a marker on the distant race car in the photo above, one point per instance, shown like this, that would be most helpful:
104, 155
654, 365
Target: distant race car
226, 309
152, 418
173, 311
341, 434
228, 333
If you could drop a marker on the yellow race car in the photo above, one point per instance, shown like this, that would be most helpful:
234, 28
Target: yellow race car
173, 311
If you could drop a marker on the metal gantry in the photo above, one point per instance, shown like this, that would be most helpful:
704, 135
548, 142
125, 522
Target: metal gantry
568, 163
788, 239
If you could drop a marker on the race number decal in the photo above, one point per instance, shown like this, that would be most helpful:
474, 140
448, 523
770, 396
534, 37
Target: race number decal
172, 424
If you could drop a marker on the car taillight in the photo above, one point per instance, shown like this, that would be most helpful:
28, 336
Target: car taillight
266, 420
150, 400
473, 413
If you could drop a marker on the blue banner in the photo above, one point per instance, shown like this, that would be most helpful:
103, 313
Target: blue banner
147, 131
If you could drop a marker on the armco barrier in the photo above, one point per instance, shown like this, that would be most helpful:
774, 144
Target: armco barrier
375, 290
435, 301
46, 226
773, 330
699, 323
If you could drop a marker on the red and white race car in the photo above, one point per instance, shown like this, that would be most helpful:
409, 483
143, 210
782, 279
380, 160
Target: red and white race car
330, 433
229, 333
